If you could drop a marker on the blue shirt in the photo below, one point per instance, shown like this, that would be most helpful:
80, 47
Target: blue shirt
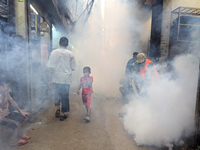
128, 66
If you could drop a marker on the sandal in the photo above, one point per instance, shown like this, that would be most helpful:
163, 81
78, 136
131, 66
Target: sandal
57, 114
62, 118
26, 137
19, 143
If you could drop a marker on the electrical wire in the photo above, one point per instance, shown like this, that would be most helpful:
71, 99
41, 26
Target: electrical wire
90, 9
89, 5
70, 8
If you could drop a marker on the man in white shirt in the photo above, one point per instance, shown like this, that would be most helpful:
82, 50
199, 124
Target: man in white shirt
61, 64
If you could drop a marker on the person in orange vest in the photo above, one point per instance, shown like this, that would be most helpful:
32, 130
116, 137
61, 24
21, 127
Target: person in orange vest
146, 69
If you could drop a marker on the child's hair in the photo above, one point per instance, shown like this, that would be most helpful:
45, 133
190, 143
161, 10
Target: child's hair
88, 68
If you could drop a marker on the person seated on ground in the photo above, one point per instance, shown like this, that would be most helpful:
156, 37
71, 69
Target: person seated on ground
15, 120
131, 62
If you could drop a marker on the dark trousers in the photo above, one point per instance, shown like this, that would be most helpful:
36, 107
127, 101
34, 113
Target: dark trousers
13, 120
62, 95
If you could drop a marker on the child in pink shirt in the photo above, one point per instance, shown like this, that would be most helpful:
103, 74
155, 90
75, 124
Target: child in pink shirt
86, 85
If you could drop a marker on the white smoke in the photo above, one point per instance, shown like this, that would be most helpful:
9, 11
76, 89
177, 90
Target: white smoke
167, 112
106, 42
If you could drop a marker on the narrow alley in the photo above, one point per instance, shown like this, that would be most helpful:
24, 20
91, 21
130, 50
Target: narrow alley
104, 132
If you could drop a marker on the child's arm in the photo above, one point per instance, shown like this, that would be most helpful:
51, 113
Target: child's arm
78, 91
89, 82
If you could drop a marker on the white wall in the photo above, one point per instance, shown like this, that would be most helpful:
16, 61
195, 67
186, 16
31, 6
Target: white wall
168, 6
145, 36
185, 3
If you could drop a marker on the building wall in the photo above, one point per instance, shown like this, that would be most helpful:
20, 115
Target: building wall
145, 36
185, 3
168, 6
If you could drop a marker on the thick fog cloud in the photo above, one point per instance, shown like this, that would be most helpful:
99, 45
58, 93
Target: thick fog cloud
167, 111
106, 42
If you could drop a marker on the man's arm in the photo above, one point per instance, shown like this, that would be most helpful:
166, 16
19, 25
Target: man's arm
51, 71
14, 104
73, 63
52, 64
128, 66
78, 91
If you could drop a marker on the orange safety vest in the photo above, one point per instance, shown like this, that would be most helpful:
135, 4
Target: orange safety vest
143, 71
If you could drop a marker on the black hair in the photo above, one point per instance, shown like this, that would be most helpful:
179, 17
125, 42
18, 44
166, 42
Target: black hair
135, 53
63, 41
88, 68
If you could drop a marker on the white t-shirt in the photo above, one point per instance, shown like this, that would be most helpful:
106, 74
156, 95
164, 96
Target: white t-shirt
63, 62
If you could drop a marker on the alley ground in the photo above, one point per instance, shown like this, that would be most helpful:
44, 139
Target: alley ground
104, 132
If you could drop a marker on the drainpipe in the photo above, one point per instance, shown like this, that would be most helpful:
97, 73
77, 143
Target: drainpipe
29, 69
